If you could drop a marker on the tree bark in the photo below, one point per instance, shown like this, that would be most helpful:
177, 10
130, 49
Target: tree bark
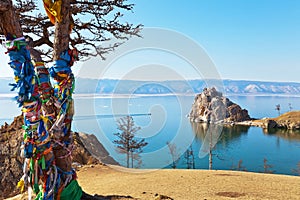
35, 54
127, 158
62, 31
10, 24
9, 21
3, 5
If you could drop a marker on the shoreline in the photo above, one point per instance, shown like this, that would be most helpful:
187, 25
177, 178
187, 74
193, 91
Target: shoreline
286, 121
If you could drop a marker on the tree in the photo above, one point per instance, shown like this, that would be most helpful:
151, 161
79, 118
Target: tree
267, 167
71, 29
136, 158
174, 154
278, 108
290, 107
94, 24
190, 158
297, 169
126, 142
239, 166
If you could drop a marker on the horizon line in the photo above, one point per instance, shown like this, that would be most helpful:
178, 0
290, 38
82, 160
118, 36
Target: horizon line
191, 79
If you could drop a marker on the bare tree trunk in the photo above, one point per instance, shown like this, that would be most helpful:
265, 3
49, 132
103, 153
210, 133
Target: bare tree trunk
210, 152
3, 5
210, 159
61, 43
127, 157
62, 31
10, 24
131, 159
9, 21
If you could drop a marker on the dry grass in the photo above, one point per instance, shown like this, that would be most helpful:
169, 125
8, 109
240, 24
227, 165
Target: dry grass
293, 116
187, 184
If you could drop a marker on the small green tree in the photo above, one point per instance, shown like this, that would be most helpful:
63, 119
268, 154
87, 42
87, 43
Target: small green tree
126, 142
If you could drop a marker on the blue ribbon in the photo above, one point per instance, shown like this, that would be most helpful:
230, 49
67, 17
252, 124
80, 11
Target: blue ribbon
24, 73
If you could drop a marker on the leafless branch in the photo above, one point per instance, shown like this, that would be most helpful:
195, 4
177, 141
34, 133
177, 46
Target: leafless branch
95, 22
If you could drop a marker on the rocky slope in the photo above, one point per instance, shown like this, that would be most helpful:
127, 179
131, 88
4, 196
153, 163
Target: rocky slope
288, 121
88, 150
11, 162
212, 106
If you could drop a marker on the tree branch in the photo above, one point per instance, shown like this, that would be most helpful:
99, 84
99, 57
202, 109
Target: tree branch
91, 26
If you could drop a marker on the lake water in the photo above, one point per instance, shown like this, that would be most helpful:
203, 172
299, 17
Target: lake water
163, 119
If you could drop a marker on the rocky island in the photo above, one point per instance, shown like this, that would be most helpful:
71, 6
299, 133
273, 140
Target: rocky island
212, 107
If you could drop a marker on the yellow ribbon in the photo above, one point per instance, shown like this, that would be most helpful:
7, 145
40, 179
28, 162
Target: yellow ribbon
21, 185
38, 64
53, 10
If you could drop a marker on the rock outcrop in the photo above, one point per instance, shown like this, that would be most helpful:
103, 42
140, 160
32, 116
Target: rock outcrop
87, 150
289, 120
93, 146
11, 162
212, 107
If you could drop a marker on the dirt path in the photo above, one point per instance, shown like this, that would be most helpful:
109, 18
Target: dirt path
186, 184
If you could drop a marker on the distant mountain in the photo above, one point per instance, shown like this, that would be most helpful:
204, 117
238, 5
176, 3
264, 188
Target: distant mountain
231, 87
260, 87
110, 86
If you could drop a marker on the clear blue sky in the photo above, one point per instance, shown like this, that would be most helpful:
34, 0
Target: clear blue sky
246, 39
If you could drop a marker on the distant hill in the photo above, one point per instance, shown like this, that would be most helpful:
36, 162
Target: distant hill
231, 87
259, 87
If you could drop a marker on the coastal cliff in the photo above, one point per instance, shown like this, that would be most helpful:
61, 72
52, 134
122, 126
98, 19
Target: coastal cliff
87, 150
212, 106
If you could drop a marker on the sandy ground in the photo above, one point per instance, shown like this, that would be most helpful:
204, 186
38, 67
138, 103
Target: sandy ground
113, 182
186, 184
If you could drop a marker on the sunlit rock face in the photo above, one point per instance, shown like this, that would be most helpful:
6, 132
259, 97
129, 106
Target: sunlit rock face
212, 107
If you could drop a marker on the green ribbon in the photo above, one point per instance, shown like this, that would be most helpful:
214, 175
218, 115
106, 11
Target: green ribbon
40, 195
42, 161
31, 165
72, 191
36, 189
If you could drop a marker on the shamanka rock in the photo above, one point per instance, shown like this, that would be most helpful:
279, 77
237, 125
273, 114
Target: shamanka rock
212, 107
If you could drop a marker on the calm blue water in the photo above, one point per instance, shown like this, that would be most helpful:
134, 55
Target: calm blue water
168, 123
